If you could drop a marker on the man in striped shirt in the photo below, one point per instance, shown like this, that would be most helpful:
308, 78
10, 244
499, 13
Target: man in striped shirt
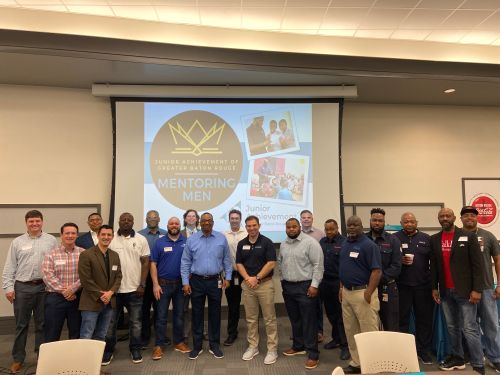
62, 283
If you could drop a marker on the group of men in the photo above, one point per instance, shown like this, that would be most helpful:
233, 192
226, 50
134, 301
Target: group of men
363, 280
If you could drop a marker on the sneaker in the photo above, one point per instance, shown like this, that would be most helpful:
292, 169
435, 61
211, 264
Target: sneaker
311, 363
352, 370
193, 354
331, 345
345, 354
182, 347
136, 356
479, 370
157, 353
230, 340
15, 367
452, 363
496, 366
216, 352
291, 352
106, 358
425, 358
271, 357
250, 353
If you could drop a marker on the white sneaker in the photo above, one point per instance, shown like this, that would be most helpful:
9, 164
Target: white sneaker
250, 353
271, 357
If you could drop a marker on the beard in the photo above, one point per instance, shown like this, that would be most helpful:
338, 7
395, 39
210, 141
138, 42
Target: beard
173, 232
292, 237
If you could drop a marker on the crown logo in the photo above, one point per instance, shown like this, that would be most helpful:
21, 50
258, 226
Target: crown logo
196, 139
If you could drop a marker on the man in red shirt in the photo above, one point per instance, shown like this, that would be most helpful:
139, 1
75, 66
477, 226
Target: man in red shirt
457, 272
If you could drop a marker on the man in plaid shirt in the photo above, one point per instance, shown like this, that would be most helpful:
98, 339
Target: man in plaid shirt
60, 275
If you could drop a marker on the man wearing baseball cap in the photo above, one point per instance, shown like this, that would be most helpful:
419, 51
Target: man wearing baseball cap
487, 308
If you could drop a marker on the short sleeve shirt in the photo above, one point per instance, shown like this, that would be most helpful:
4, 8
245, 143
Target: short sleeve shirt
254, 256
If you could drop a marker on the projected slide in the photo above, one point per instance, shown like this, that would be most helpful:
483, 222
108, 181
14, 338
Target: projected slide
215, 157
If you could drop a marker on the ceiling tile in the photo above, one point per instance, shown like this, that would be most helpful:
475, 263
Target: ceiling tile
219, 3
410, 34
396, 4
384, 18
261, 19
376, 34
9, 2
440, 4
352, 3
129, 2
39, 2
343, 18
308, 3
302, 19
98, 10
425, 18
135, 11
446, 36
496, 42
466, 19
481, 4
220, 16
178, 3
300, 31
332, 32
263, 3
175, 14
480, 37
85, 2
491, 23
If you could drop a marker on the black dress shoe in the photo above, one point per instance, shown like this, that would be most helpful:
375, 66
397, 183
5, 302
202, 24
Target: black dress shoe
345, 354
230, 340
331, 345
352, 370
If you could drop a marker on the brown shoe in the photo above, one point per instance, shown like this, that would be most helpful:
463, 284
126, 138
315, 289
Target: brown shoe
157, 353
320, 337
311, 363
15, 367
182, 347
291, 352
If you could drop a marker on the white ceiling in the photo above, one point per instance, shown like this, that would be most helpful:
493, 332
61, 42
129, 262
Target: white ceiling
450, 21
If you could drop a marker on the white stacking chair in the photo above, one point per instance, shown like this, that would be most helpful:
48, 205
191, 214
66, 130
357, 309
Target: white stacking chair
70, 357
385, 351
338, 371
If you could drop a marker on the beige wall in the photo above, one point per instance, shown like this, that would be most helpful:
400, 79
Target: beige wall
56, 147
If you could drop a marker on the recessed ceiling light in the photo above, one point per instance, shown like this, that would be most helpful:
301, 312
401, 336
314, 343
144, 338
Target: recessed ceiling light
449, 91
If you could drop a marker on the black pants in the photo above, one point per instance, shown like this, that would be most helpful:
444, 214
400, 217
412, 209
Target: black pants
302, 312
420, 298
233, 296
389, 306
148, 300
200, 290
329, 294
58, 310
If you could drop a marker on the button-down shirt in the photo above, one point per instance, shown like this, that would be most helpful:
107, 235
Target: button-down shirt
94, 237
301, 259
331, 251
152, 237
232, 239
60, 269
390, 252
206, 255
130, 249
315, 233
24, 259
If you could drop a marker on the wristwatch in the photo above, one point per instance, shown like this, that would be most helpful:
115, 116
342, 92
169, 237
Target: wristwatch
258, 278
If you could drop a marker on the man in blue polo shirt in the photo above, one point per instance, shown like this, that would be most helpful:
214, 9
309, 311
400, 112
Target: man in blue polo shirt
205, 257
360, 269
167, 286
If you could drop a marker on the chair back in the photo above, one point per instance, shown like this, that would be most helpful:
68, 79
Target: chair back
338, 371
385, 351
70, 357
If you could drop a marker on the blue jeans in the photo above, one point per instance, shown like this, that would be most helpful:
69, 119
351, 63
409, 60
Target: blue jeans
95, 323
170, 292
133, 303
460, 315
488, 315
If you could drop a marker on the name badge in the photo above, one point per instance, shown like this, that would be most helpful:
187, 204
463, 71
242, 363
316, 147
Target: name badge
353, 254
404, 245
114, 268
246, 247
167, 249
59, 262
462, 239
27, 247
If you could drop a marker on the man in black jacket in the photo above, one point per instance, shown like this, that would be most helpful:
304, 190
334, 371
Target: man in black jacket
457, 272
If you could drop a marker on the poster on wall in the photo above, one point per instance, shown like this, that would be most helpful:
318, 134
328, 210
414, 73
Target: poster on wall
484, 195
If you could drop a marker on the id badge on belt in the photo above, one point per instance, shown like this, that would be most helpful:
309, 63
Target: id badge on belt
385, 295
219, 283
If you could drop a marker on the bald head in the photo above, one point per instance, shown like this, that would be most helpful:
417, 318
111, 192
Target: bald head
409, 223
354, 227
446, 218
173, 227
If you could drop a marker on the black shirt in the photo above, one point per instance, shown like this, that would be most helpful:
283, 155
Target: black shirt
331, 251
390, 251
418, 273
254, 256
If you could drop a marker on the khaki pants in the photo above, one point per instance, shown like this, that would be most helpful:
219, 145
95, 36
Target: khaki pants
263, 296
358, 316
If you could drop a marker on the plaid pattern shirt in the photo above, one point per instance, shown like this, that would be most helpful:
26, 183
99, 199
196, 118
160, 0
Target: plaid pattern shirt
60, 269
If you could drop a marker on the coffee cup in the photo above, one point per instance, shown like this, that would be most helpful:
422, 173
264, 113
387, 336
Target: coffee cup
409, 258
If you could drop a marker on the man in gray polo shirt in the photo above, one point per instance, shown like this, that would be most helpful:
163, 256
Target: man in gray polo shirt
23, 284
300, 262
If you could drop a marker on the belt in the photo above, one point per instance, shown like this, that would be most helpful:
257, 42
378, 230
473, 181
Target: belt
168, 281
356, 287
206, 277
267, 278
32, 282
392, 281
296, 282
